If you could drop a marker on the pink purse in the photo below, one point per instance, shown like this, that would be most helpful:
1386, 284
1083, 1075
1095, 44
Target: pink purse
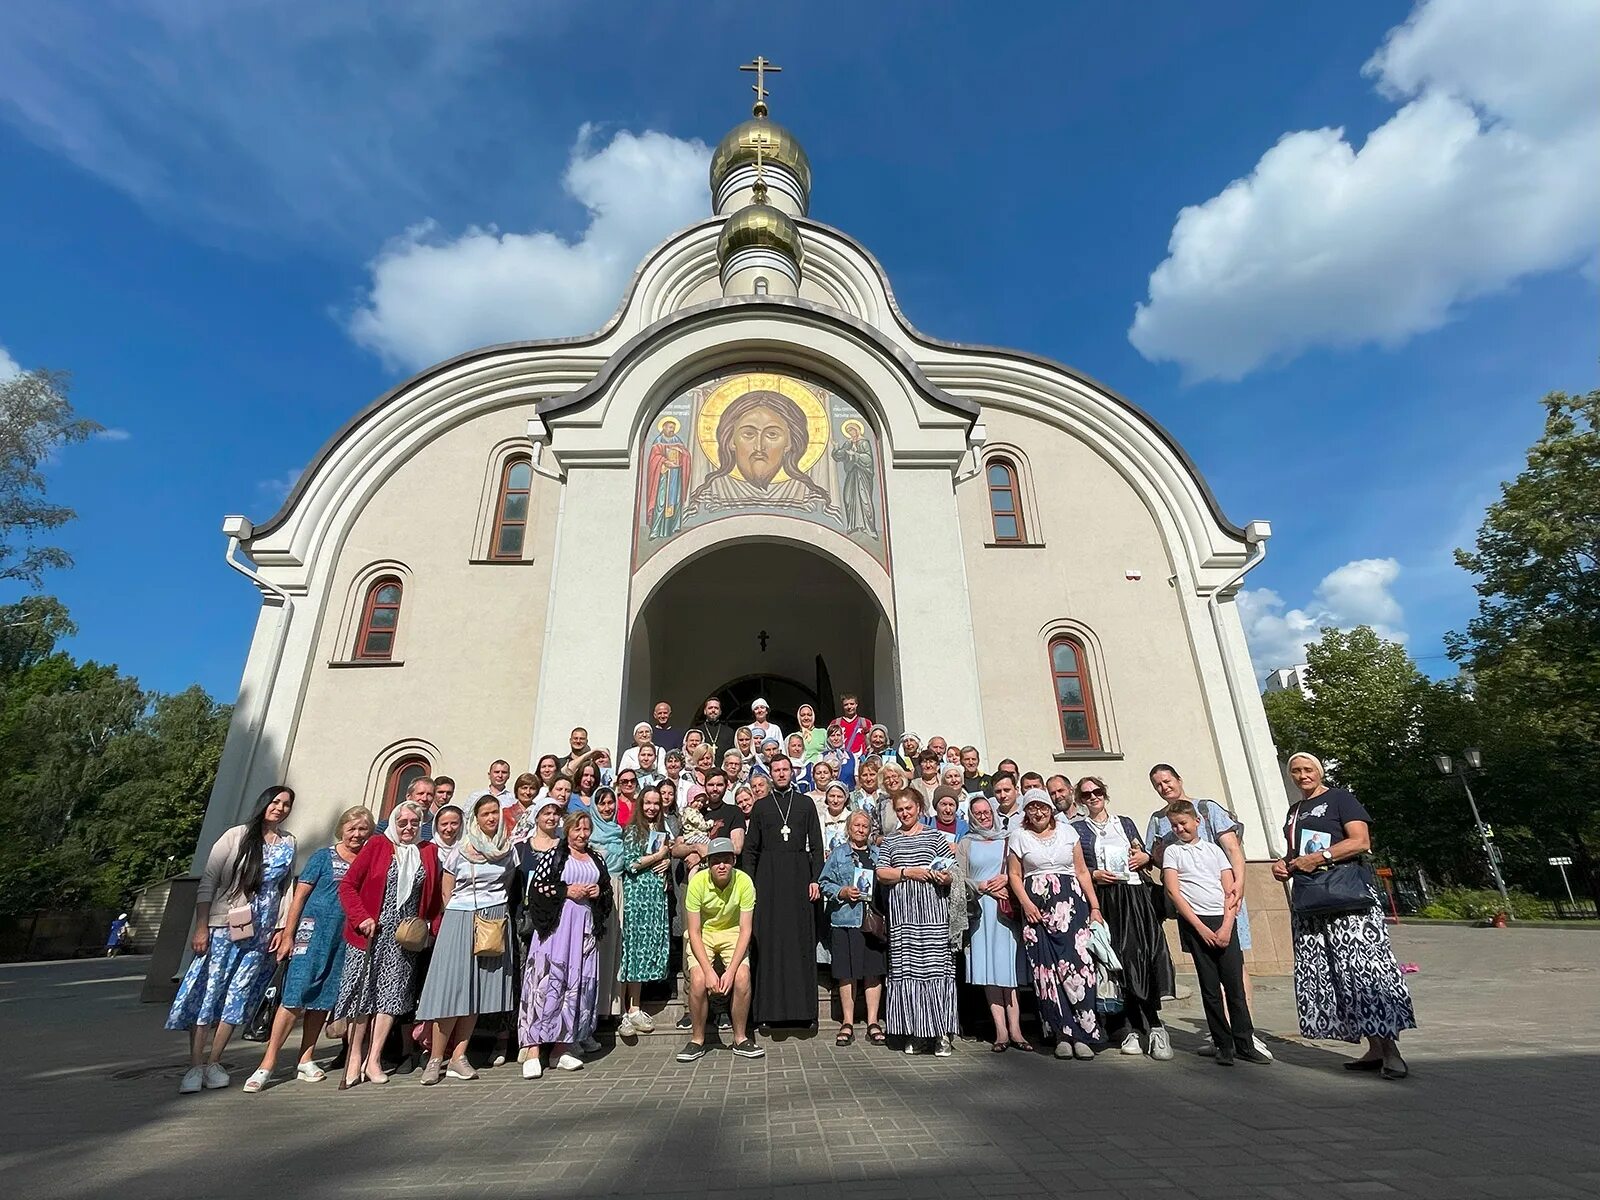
241, 924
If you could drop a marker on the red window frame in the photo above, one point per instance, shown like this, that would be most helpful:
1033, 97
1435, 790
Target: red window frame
412, 766
370, 607
502, 523
1081, 674
1011, 489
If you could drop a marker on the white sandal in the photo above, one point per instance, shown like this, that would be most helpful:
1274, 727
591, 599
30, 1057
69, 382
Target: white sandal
309, 1072
257, 1081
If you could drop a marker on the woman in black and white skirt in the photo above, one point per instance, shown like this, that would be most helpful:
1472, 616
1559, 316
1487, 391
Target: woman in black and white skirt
917, 867
471, 970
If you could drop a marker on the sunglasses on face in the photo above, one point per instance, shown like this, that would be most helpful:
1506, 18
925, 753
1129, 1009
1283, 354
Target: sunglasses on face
1090, 793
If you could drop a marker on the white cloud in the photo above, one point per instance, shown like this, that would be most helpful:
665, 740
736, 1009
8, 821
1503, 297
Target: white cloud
1357, 593
10, 368
1490, 172
112, 435
277, 490
432, 296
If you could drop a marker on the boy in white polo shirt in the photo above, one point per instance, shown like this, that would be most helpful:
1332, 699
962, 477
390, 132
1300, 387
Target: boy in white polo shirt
1199, 879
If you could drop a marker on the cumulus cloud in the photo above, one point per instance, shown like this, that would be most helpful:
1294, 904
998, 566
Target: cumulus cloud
10, 368
112, 435
1488, 172
1357, 593
431, 296
277, 490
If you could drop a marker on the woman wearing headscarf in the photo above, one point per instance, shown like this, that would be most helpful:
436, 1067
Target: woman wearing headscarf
1347, 985
392, 881
846, 881
813, 739
944, 814
833, 810
605, 839
838, 755
644, 862
879, 743
630, 756
568, 907
992, 947
470, 972
799, 764
922, 973
1115, 857
241, 907
316, 956
1051, 886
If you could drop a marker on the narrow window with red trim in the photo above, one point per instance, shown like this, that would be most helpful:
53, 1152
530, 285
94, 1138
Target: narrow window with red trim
1003, 506
1069, 680
511, 510
380, 618
401, 776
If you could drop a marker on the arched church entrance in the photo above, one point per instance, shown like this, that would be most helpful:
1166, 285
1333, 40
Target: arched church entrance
761, 618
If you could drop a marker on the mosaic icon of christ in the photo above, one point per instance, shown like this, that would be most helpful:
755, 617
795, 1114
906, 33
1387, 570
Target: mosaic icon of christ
761, 438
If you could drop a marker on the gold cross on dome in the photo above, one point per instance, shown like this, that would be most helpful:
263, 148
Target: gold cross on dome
761, 67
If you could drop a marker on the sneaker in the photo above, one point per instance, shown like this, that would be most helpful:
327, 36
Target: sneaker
1130, 1043
1208, 1048
642, 1022
1063, 1049
532, 1068
686, 1022
1251, 1055
433, 1072
589, 1045
692, 1052
1082, 1050
1260, 1047
1161, 1044
911, 1046
193, 1080
724, 1021
216, 1077
625, 1026
1224, 1055
749, 1049
569, 1062
944, 1049
460, 1068
257, 1081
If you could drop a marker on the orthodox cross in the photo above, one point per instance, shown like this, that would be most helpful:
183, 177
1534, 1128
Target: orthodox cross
761, 67
762, 637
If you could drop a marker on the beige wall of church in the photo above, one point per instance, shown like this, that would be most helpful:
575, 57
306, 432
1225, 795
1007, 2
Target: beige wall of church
1094, 528
472, 633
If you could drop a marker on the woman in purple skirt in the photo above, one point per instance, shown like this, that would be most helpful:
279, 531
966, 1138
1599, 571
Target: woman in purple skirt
568, 901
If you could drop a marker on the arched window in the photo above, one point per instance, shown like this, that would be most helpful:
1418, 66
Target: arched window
1003, 501
511, 511
401, 775
1069, 678
380, 617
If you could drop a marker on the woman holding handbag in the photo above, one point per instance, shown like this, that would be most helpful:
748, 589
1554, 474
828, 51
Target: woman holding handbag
992, 950
1347, 984
390, 896
240, 909
847, 881
470, 972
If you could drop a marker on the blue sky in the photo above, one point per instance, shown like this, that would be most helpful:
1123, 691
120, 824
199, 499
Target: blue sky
237, 223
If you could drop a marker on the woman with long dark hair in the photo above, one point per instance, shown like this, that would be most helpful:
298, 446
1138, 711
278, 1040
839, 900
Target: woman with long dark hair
643, 861
240, 909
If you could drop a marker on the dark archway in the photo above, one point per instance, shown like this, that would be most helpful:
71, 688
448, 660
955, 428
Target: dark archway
783, 695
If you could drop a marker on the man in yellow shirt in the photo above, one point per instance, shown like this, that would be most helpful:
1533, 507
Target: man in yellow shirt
719, 911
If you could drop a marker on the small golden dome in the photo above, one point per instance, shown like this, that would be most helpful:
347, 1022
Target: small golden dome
778, 148
760, 225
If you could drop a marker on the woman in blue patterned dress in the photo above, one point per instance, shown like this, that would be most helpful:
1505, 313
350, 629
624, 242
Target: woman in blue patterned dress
240, 909
993, 951
647, 929
922, 972
1052, 887
316, 919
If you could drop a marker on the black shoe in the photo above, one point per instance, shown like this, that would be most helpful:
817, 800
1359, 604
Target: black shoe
338, 1060
1250, 1054
686, 1022
1364, 1064
1225, 1056
405, 1066
724, 1021
749, 1049
692, 1052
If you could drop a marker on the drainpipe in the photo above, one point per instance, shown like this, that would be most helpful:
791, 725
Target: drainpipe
1256, 535
237, 529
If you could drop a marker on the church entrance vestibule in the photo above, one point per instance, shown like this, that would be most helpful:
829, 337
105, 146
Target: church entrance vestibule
761, 618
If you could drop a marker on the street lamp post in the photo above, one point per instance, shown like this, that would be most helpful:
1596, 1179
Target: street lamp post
1474, 761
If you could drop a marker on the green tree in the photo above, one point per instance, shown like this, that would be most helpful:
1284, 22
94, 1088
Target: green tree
36, 419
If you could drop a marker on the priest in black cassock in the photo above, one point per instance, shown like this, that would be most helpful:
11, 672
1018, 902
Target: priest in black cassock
783, 853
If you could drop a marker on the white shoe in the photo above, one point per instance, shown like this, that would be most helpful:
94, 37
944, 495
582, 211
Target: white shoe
642, 1022
943, 1049
568, 1062
1161, 1044
215, 1077
309, 1072
531, 1067
1261, 1047
258, 1080
1208, 1048
626, 1028
1130, 1043
589, 1045
193, 1079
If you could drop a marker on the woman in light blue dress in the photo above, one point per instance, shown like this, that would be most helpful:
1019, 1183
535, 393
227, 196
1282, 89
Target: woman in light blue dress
239, 916
992, 951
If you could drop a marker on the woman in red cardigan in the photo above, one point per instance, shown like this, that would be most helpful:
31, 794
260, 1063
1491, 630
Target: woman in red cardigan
393, 881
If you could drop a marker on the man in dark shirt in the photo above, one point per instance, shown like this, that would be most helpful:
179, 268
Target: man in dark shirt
725, 820
579, 741
661, 731
717, 733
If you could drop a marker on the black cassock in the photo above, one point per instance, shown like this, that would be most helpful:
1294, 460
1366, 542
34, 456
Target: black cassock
786, 918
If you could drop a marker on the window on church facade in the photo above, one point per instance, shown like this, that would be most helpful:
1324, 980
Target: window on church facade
1069, 678
401, 776
511, 510
1003, 501
380, 617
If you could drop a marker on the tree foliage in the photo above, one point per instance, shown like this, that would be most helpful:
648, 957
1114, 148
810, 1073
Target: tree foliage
36, 420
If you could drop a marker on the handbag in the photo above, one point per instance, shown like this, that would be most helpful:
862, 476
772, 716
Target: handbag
488, 933
411, 934
258, 1028
873, 924
241, 924
1006, 905
1334, 890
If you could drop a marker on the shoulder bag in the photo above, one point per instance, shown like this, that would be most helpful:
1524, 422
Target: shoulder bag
1335, 890
488, 933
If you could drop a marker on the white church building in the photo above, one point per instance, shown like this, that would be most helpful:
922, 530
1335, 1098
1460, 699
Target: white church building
757, 478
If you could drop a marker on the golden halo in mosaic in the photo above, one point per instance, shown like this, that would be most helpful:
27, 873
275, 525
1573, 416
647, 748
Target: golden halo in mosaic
763, 381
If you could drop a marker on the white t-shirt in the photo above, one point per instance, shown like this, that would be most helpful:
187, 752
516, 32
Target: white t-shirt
505, 795
1051, 854
479, 885
1199, 866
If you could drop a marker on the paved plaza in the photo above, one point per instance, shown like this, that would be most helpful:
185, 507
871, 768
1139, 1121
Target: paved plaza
1501, 1102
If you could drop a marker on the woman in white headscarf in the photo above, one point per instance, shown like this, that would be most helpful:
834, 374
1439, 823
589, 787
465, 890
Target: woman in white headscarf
393, 882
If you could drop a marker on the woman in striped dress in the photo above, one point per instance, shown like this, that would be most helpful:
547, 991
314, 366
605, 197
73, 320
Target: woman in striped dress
922, 972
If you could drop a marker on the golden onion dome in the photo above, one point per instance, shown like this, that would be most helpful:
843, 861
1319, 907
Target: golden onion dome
778, 147
759, 225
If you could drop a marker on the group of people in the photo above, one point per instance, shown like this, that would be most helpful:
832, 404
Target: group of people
550, 902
